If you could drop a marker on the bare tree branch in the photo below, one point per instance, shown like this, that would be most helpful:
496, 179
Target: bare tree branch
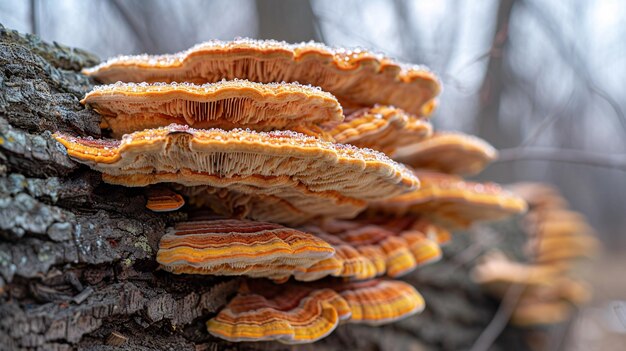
594, 159
571, 56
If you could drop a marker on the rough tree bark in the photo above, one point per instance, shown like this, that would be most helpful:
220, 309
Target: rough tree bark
77, 265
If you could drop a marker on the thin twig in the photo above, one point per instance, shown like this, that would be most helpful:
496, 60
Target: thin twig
500, 319
546, 121
594, 159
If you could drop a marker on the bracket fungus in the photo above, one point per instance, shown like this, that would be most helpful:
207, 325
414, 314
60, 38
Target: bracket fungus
364, 251
361, 76
290, 313
382, 128
252, 142
219, 158
453, 202
448, 152
347, 262
239, 247
130, 107
295, 313
377, 301
163, 200
557, 238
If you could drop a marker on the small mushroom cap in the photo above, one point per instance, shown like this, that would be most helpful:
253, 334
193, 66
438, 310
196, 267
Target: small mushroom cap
223, 158
382, 128
550, 249
438, 234
379, 241
365, 78
423, 249
366, 250
290, 313
450, 201
496, 268
238, 247
347, 262
448, 152
377, 302
539, 195
163, 200
129, 107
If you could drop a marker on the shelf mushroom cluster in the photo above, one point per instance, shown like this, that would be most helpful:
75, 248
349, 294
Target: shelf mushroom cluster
558, 238
291, 147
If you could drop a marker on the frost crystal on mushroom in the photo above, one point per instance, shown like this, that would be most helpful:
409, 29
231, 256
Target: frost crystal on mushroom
130, 107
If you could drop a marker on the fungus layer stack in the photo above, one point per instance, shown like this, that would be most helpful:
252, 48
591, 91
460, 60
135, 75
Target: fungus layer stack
558, 238
306, 200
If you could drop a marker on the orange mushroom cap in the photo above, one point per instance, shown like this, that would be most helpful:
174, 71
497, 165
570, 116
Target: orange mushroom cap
347, 262
163, 200
290, 313
377, 301
365, 250
448, 152
239, 247
436, 233
363, 77
453, 202
240, 157
382, 128
129, 107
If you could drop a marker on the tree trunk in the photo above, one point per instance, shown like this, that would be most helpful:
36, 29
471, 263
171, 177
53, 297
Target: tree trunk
77, 256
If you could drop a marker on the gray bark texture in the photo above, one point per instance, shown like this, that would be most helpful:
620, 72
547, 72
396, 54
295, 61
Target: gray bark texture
77, 256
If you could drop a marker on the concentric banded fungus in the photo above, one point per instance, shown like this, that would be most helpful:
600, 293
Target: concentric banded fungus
423, 249
448, 152
544, 286
436, 233
382, 128
376, 302
291, 314
347, 262
238, 247
225, 158
129, 107
557, 238
398, 258
163, 200
364, 251
362, 77
451, 201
